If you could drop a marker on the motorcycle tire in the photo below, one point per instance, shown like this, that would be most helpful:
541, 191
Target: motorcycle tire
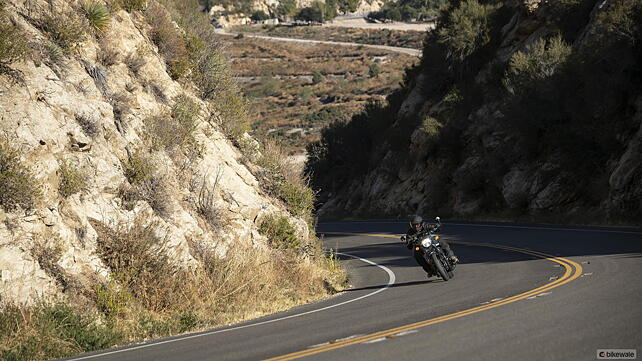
440, 268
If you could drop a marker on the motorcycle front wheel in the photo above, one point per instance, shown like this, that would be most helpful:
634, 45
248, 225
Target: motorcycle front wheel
440, 268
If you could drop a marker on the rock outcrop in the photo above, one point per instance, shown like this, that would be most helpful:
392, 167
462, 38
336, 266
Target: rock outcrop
481, 157
89, 111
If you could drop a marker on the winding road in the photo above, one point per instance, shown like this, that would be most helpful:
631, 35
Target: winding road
395, 49
520, 292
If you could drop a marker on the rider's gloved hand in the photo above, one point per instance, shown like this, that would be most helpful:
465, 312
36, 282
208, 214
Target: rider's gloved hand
404, 239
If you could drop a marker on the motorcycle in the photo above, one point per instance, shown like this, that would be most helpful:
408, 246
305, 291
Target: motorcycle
427, 242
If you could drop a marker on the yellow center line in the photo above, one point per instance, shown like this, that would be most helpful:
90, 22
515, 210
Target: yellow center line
572, 271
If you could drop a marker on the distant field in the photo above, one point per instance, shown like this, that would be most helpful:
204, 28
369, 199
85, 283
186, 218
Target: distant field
400, 38
297, 89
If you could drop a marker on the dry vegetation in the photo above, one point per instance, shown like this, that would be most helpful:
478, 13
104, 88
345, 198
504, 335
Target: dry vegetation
295, 90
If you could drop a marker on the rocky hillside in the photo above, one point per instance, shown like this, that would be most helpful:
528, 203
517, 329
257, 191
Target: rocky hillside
127, 208
525, 110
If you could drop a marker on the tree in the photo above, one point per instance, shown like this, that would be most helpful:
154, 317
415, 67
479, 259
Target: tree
313, 13
348, 6
330, 11
259, 15
286, 8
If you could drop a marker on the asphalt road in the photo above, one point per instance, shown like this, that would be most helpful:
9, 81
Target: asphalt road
395, 49
506, 303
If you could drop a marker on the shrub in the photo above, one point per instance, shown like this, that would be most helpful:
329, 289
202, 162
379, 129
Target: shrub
121, 104
112, 299
431, 126
174, 130
47, 254
146, 185
138, 260
374, 70
18, 187
312, 13
136, 60
280, 232
55, 57
130, 5
64, 28
259, 15
72, 180
230, 113
298, 197
467, 29
186, 112
211, 72
317, 77
97, 14
539, 61
206, 202
170, 43
163, 132
138, 168
13, 44
88, 125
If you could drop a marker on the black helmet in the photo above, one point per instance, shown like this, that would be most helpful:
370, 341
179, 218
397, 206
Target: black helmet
416, 220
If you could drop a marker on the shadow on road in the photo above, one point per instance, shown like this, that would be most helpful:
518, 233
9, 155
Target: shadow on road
556, 242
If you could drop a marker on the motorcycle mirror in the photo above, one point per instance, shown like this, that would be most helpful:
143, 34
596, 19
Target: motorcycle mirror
438, 219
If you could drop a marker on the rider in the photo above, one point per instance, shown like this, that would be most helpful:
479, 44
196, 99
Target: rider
417, 225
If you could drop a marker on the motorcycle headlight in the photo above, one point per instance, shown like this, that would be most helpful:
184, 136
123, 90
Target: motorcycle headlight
426, 242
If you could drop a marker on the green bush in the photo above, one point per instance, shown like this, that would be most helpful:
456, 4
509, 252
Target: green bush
317, 77
280, 232
313, 13
112, 299
467, 29
97, 14
374, 70
259, 15
431, 126
18, 187
138, 168
539, 61
299, 198
232, 114
72, 180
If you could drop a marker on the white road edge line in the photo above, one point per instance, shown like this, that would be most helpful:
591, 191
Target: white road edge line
391, 280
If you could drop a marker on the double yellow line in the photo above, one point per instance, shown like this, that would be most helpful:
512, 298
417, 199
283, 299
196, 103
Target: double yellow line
572, 271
